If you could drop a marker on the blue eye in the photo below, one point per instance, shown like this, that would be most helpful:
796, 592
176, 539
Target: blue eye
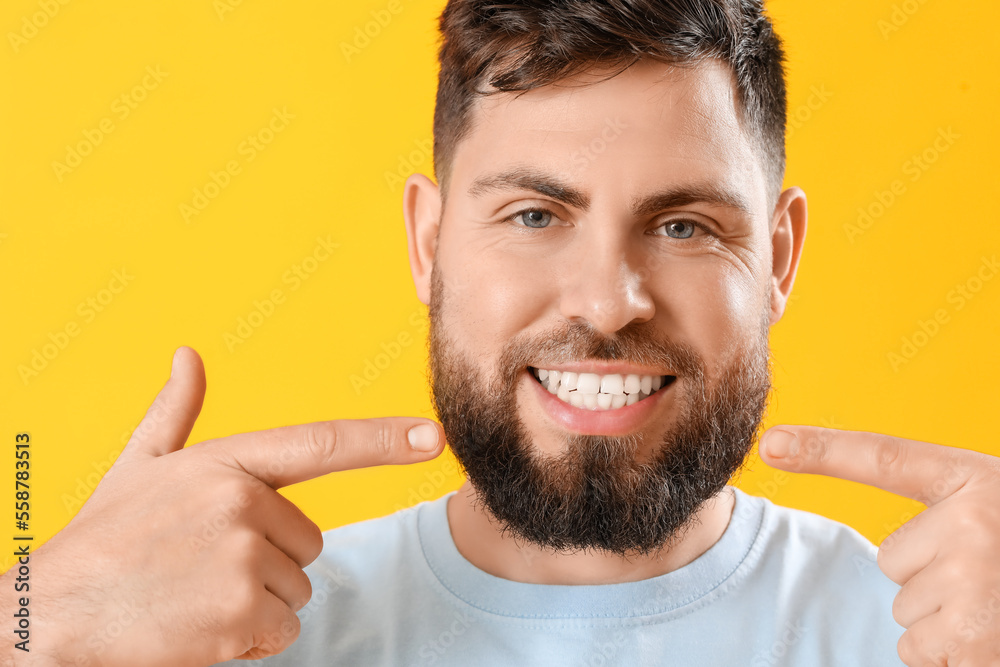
679, 229
533, 217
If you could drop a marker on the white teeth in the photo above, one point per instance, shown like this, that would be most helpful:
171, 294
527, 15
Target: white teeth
612, 384
553, 381
598, 392
588, 383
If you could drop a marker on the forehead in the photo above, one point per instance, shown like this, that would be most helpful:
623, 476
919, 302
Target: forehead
651, 125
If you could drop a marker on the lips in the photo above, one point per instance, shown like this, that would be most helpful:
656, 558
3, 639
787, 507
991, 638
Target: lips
595, 391
626, 418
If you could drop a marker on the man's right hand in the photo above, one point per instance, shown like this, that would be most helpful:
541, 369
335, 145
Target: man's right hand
189, 556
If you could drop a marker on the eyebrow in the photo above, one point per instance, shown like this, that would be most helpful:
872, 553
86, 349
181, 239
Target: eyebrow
525, 178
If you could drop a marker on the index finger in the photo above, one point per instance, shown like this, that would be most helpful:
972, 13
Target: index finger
923, 471
291, 454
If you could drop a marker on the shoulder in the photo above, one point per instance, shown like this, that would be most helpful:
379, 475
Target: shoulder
805, 552
798, 541
823, 574
806, 538
370, 555
376, 535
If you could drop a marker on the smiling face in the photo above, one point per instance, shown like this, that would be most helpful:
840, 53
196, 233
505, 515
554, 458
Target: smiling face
604, 269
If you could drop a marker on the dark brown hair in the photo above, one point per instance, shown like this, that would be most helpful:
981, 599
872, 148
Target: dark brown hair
489, 47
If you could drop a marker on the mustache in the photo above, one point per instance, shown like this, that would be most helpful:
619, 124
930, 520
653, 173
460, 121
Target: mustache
637, 342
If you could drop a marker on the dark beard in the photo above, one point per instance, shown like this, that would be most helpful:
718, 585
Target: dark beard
597, 494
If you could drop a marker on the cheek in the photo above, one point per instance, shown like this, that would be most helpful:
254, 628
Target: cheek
715, 306
491, 296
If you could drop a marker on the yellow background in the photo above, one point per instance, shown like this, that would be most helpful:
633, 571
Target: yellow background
872, 83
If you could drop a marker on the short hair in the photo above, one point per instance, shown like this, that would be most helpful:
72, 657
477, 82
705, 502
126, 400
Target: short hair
519, 45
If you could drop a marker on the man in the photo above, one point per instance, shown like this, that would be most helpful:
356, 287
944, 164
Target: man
602, 255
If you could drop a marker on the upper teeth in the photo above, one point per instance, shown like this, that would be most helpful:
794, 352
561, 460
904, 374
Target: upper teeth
598, 392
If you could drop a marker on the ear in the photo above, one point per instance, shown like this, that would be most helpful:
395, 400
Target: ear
788, 234
422, 213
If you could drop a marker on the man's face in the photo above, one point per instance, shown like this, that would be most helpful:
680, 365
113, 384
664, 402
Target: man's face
645, 251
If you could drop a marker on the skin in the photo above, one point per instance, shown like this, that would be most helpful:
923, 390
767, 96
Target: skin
139, 541
599, 263
602, 263
136, 579
945, 558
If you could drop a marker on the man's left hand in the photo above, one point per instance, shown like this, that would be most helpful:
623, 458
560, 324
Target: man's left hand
947, 558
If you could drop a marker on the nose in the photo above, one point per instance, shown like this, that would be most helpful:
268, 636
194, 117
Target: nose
605, 284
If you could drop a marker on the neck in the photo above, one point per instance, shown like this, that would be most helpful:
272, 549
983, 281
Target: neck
480, 540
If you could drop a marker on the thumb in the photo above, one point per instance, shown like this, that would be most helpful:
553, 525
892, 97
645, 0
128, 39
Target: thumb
169, 420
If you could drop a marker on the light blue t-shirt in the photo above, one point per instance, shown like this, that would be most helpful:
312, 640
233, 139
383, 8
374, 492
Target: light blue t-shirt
780, 587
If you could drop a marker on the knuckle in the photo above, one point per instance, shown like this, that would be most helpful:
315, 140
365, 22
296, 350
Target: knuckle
278, 637
882, 557
383, 440
253, 493
888, 455
954, 571
982, 544
955, 616
306, 593
908, 649
899, 610
246, 548
975, 522
314, 538
815, 445
232, 645
233, 512
240, 606
234, 489
288, 631
243, 542
321, 442
887, 560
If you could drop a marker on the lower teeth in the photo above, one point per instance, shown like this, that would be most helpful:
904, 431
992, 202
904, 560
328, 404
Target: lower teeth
599, 402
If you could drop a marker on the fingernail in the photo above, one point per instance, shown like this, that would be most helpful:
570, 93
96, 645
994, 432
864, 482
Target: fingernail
781, 444
423, 438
